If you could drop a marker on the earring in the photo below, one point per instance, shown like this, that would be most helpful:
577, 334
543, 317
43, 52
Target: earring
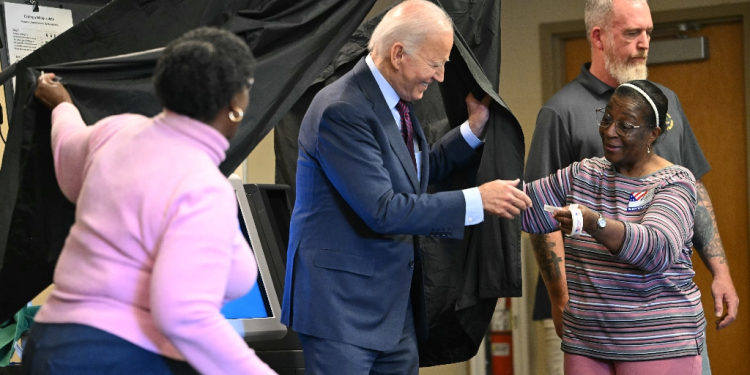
648, 149
238, 117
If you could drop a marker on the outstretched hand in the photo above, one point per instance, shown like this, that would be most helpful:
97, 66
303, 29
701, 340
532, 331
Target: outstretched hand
565, 218
51, 92
479, 113
502, 198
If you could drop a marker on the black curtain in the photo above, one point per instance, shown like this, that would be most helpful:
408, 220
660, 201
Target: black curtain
462, 278
477, 23
293, 41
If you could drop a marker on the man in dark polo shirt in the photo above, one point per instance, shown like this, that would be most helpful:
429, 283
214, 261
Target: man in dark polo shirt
567, 131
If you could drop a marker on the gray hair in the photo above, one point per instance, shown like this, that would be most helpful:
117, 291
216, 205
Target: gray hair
599, 12
409, 23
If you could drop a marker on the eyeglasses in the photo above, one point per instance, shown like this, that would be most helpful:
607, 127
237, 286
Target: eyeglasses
434, 65
623, 128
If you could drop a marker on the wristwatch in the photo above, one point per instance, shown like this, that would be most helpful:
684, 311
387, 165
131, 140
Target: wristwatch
600, 223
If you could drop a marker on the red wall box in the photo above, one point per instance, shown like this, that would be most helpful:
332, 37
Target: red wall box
502, 353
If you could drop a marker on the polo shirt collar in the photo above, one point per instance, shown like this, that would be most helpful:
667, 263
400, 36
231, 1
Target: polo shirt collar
591, 83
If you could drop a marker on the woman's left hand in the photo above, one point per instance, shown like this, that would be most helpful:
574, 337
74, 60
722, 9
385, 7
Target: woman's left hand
51, 92
565, 218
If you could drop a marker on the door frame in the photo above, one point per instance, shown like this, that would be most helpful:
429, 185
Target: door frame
553, 36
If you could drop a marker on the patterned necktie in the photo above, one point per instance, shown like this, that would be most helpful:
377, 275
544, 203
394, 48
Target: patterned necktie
407, 131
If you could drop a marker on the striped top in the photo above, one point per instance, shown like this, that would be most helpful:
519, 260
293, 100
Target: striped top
640, 304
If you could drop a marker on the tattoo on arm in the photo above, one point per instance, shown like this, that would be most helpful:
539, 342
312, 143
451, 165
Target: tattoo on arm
706, 234
548, 261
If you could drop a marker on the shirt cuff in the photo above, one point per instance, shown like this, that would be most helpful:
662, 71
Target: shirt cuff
469, 136
474, 208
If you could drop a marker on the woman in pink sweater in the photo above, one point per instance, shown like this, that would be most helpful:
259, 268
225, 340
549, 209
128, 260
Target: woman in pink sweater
155, 250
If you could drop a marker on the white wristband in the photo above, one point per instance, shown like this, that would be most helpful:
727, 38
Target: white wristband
577, 220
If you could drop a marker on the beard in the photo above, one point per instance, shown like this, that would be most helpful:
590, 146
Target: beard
624, 70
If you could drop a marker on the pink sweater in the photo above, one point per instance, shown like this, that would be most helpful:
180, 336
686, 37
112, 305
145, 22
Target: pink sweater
155, 250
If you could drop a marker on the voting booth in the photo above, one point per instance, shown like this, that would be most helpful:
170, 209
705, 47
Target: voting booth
264, 216
256, 315
28, 25
264, 211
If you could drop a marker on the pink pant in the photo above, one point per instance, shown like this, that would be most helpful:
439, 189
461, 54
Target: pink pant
582, 365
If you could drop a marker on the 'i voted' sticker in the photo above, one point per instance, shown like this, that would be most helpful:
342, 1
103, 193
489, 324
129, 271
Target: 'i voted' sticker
640, 200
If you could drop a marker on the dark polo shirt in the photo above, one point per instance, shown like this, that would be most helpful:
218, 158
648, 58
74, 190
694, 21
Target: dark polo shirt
566, 131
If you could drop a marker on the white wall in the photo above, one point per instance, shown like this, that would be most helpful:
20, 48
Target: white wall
260, 165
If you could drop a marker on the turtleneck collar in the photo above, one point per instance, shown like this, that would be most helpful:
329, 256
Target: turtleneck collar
200, 133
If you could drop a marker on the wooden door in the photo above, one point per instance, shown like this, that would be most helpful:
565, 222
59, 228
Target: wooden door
712, 95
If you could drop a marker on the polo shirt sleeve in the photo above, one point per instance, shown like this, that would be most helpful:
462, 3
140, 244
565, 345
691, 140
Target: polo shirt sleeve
551, 146
690, 152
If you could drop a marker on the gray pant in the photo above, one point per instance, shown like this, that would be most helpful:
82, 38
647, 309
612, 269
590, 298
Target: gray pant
704, 358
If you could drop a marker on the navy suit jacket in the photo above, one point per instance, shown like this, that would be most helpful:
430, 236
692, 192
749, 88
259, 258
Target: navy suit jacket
359, 206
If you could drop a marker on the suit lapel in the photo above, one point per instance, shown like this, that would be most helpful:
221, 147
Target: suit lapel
383, 112
424, 148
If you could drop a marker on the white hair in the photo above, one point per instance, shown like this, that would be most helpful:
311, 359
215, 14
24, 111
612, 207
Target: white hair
409, 22
599, 12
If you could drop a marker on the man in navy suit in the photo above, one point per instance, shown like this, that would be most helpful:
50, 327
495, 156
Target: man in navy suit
352, 288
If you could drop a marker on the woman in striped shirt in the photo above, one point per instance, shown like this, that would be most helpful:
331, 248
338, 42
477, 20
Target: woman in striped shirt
633, 306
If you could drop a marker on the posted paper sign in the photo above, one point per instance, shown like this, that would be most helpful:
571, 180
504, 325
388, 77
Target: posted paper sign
27, 30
